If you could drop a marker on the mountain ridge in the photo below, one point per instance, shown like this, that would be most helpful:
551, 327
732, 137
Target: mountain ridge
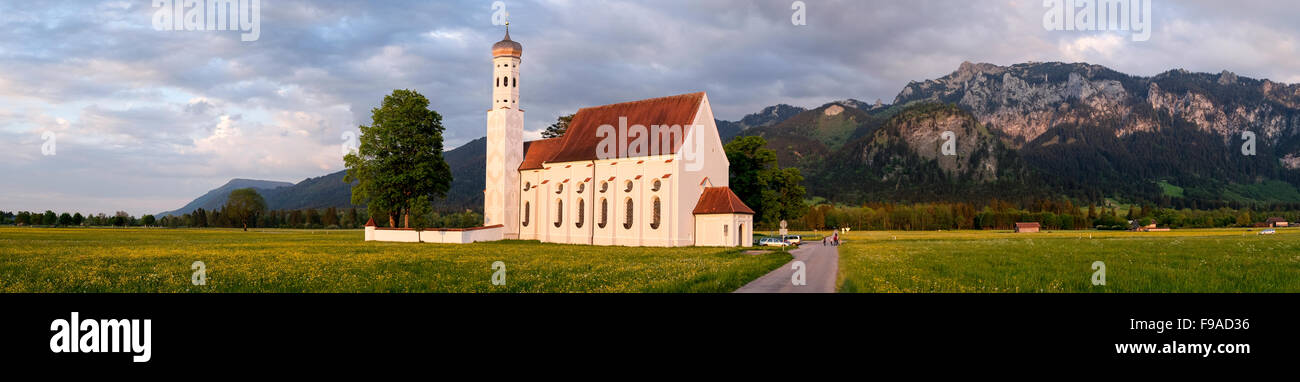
1074, 129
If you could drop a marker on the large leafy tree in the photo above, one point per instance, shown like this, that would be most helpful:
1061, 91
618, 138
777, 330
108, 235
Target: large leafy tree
772, 192
399, 159
243, 206
557, 129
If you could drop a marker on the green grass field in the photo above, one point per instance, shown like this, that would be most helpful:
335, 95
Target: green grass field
1218, 260
159, 260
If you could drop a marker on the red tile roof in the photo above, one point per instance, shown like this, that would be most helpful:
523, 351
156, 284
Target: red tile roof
370, 223
537, 152
580, 139
720, 200
1028, 225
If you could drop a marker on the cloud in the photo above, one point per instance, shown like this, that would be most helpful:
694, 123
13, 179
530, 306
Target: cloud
148, 119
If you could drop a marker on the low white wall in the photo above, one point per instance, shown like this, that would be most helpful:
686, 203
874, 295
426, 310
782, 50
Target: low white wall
396, 235
446, 236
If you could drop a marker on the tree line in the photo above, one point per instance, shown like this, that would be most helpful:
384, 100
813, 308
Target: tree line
1052, 214
309, 218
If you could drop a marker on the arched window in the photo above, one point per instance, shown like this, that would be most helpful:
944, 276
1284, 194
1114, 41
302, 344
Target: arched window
581, 213
627, 217
604, 186
654, 219
724, 231
740, 235
604, 213
498, 82
528, 185
559, 213
559, 188
526, 205
628, 187
507, 81
515, 83
655, 186
581, 187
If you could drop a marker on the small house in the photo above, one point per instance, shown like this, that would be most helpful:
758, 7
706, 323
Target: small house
1276, 222
1031, 227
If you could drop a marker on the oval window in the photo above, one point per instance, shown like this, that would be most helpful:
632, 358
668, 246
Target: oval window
627, 216
604, 213
582, 206
559, 213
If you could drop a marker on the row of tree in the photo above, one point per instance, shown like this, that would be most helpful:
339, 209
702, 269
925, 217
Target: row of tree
1053, 215
327, 218
51, 219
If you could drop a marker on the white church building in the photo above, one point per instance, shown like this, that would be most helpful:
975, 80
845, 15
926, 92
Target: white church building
643, 173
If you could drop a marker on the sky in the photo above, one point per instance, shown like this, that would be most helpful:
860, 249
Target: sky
101, 111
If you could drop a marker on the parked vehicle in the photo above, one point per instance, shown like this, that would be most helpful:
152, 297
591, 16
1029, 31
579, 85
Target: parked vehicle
792, 239
772, 242
1269, 231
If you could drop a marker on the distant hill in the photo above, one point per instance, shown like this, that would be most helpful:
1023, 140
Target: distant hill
769, 116
217, 197
1078, 130
467, 164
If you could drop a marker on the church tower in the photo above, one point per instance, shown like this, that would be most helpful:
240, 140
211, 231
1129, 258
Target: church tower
505, 144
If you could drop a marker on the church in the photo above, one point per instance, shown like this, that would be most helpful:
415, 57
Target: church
642, 173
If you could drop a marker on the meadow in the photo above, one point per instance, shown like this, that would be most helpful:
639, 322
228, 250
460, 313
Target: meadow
159, 260
1191, 260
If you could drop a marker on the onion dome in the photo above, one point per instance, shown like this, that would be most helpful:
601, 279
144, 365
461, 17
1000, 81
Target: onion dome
507, 47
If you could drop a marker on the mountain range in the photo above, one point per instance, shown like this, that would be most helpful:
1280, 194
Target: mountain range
1020, 132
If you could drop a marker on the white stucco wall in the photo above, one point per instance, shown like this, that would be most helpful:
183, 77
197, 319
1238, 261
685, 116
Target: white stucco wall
679, 175
724, 230
505, 145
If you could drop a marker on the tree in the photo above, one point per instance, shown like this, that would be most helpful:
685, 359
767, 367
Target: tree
65, 219
351, 220
557, 129
750, 158
78, 219
243, 206
423, 211
121, 218
399, 158
148, 220
200, 218
773, 193
331, 218
49, 218
23, 218
789, 199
